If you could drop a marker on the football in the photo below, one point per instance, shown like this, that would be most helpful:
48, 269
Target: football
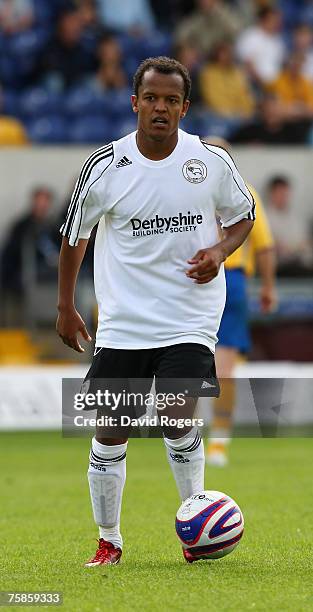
209, 525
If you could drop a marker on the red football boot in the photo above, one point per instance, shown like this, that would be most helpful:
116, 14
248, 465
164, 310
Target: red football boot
107, 554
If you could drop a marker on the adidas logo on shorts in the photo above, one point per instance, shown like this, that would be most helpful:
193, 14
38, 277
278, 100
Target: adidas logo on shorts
207, 385
123, 162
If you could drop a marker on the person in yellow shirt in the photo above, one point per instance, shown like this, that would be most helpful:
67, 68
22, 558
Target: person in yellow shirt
233, 336
224, 86
293, 90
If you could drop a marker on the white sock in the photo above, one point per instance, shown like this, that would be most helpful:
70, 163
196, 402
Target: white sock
186, 458
106, 476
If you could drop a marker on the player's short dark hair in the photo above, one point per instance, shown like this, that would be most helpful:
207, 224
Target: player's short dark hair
279, 180
163, 65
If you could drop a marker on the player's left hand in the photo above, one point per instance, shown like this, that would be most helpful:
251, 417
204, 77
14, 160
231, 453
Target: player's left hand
205, 265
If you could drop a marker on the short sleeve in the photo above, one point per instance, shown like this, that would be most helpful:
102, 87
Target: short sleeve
86, 207
234, 201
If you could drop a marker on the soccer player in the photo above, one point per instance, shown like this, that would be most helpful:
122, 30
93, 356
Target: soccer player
233, 335
159, 277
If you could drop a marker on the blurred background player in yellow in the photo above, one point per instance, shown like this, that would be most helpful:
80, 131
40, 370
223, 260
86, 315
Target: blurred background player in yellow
256, 254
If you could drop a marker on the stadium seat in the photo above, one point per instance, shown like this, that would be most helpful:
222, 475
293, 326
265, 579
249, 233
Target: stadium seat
91, 130
38, 101
158, 44
216, 125
119, 103
17, 347
83, 100
27, 43
125, 127
45, 12
10, 103
190, 124
51, 129
9, 74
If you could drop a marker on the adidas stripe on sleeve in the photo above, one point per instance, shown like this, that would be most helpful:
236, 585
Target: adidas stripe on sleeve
86, 207
235, 201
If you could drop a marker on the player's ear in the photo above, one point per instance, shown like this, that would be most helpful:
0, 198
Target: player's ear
134, 101
184, 110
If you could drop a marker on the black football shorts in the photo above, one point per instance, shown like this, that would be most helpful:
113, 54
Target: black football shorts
186, 367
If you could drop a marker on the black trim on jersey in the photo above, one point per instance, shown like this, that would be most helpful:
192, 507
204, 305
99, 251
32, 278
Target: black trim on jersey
83, 177
85, 174
251, 214
91, 184
211, 144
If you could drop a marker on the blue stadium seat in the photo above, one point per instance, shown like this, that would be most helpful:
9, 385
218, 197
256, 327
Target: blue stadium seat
158, 44
29, 42
9, 75
190, 124
51, 129
10, 103
91, 130
125, 127
119, 103
83, 100
45, 12
216, 125
37, 101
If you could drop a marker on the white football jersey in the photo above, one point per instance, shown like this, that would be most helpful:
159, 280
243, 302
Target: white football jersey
153, 216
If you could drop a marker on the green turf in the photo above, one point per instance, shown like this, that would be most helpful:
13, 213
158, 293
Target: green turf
47, 531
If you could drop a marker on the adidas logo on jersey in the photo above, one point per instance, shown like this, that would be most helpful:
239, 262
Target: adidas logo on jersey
123, 162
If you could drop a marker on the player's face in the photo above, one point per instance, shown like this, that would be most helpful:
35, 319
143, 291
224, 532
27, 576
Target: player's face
160, 104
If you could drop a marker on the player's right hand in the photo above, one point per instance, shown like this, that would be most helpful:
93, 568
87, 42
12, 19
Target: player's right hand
69, 324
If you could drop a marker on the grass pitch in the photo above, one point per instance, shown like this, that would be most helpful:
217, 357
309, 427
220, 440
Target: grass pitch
47, 531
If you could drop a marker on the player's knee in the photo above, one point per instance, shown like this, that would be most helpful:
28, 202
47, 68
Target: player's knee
174, 433
111, 441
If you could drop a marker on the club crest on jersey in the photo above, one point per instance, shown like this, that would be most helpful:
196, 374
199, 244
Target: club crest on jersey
195, 171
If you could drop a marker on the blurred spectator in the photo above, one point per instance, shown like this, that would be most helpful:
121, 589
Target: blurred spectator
303, 43
188, 55
16, 15
29, 245
169, 12
224, 86
261, 46
270, 127
126, 15
65, 60
210, 23
293, 90
87, 264
110, 73
290, 229
88, 12
91, 26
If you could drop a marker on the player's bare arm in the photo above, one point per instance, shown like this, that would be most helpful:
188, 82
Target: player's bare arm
206, 262
266, 262
69, 322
